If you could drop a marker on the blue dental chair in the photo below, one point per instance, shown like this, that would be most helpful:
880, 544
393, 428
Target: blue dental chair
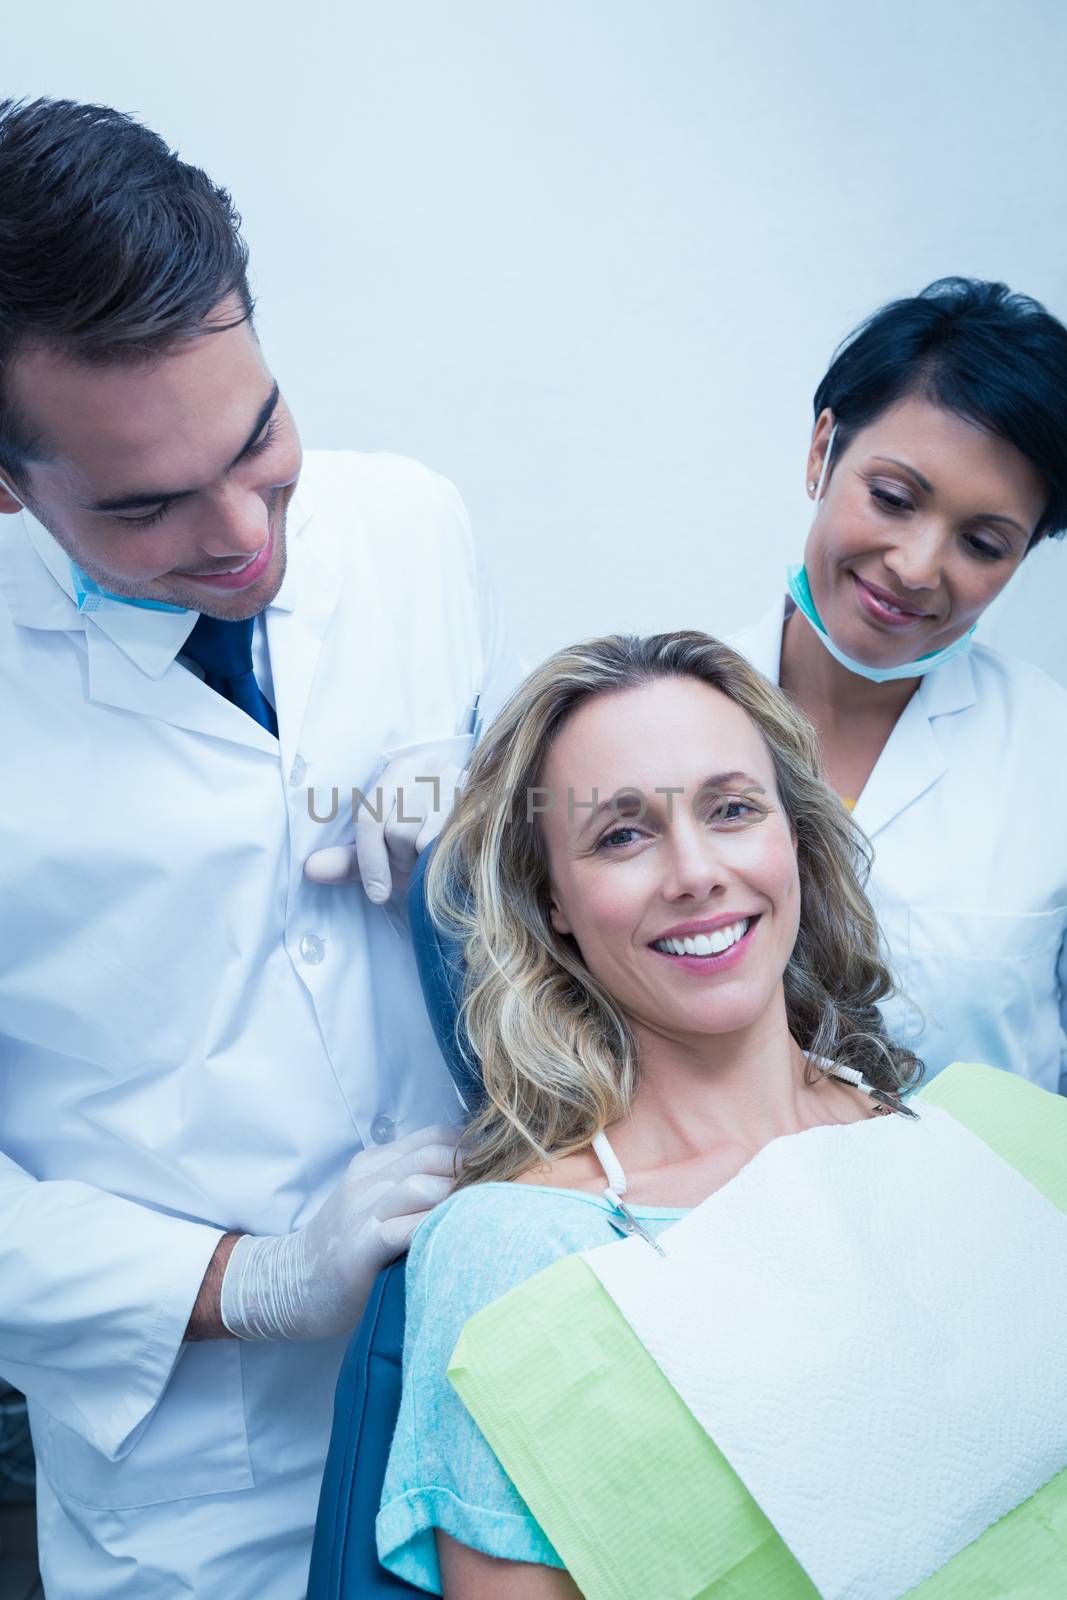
344, 1558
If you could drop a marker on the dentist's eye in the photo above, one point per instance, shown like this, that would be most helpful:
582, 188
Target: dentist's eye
888, 501
985, 550
150, 520
264, 442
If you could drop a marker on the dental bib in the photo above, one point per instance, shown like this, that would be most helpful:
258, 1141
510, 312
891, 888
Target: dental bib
839, 1376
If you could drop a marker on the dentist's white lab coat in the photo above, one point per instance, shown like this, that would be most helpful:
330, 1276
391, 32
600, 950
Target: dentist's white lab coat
965, 813
193, 1037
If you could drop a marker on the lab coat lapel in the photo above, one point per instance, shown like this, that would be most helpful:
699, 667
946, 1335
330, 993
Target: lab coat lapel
297, 624
33, 595
178, 696
173, 695
913, 759
761, 642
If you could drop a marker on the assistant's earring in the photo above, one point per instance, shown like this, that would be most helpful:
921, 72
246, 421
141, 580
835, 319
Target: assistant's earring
811, 486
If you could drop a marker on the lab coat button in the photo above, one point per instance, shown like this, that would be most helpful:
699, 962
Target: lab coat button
383, 1130
298, 771
313, 949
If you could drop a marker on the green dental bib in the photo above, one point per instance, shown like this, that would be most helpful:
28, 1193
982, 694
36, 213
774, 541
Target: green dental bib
633, 1493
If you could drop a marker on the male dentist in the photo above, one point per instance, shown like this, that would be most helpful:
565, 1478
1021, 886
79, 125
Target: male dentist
213, 1070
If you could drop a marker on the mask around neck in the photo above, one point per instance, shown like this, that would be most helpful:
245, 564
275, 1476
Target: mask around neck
89, 595
800, 589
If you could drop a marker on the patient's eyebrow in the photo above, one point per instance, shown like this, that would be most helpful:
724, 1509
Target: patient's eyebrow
151, 497
618, 804
733, 780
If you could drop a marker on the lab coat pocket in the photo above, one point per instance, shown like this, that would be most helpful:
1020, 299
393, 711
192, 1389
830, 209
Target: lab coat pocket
195, 1443
453, 749
983, 987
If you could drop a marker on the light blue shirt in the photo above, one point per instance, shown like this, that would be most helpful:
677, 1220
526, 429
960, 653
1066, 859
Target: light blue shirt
441, 1473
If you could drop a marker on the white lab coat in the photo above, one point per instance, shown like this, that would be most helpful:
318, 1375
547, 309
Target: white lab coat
193, 1037
964, 810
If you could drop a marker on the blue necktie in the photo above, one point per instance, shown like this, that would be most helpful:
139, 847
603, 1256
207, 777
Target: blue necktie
223, 650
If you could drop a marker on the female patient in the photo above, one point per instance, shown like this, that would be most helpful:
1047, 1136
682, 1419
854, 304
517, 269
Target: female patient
671, 964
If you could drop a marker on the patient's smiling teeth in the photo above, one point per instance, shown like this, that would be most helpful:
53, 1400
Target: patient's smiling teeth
705, 944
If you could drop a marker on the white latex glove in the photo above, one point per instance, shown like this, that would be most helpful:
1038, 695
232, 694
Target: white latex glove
418, 792
315, 1281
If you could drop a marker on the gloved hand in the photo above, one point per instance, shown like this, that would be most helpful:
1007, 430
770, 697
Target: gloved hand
418, 792
315, 1281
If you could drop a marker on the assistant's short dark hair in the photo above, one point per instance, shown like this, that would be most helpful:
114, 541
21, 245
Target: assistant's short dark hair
111, 248
996, 358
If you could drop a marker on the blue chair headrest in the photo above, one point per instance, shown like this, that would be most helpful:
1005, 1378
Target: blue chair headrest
440, 963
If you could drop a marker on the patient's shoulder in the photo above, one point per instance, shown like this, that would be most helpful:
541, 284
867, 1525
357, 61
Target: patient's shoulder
487, 1238
579, 1170
482, 1206
488, 1215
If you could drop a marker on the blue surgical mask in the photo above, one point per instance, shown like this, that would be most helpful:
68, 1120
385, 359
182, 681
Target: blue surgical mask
800, 589
89, 594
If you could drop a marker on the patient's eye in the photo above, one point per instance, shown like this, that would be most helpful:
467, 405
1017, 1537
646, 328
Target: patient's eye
618, 838
735, 808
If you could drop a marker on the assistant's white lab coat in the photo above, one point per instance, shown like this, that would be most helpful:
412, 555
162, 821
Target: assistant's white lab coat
193, 1037
965, 813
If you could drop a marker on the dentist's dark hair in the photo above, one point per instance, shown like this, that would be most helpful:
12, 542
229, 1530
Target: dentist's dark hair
996, 358
111, 248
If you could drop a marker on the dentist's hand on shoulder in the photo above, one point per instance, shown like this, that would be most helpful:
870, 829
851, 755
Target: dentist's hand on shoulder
417, 793
316, 1280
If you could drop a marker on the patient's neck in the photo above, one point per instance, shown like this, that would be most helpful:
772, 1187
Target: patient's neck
728, 1093
703, 1108
744, 1083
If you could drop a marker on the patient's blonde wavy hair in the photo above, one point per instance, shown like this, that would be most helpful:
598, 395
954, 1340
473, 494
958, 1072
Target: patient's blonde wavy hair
559, 1060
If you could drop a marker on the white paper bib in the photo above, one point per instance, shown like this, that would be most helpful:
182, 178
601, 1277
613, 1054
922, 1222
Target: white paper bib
871, 1323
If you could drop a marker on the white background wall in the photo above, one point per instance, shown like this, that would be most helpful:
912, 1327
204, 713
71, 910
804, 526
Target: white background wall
590, 257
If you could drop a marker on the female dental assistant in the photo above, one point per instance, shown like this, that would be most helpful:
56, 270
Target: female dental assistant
937, 462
